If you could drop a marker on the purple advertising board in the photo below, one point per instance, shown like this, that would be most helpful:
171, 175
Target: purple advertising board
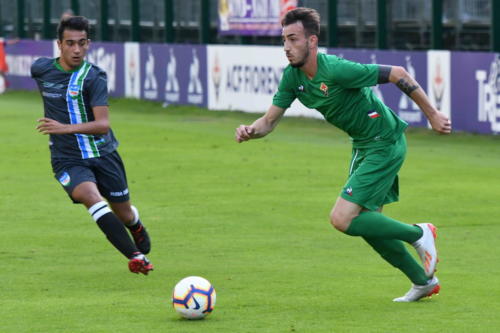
174, 74
475, 85
250, 17
415, 63
20, 56
110, 58
177, 74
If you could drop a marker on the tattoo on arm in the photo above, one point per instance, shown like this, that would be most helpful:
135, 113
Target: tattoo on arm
407, 87
384, 72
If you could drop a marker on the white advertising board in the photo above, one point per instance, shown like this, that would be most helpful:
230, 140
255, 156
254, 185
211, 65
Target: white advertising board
439, 80
245, 78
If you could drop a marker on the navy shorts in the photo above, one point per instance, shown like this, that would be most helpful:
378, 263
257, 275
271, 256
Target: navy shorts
107, 172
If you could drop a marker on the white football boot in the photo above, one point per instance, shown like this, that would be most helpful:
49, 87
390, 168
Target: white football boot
426, 248
417, 292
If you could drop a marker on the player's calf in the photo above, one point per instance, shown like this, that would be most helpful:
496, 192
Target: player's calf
113, 228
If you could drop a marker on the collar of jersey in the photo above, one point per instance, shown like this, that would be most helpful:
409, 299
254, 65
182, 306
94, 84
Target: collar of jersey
59, 67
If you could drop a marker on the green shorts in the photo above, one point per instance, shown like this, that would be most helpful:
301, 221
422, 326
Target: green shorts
373, 175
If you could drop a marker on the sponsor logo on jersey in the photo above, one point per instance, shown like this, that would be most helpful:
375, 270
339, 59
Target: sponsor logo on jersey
51, 95
52, 85
74, 90
65, 179
301, 88
324, 88
373, 114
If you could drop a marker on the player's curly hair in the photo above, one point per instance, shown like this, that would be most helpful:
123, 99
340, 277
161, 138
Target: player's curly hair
78, 23
309, 17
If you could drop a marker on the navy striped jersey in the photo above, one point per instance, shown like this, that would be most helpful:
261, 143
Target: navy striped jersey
68, 97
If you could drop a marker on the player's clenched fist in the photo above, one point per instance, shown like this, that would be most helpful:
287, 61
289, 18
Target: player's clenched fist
244, 133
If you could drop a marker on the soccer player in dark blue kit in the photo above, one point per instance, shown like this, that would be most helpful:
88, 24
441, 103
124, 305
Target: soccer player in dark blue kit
82, 145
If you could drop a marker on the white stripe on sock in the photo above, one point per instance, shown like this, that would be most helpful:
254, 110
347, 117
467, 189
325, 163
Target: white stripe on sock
136, 215
95, 207
99, 209
101, 212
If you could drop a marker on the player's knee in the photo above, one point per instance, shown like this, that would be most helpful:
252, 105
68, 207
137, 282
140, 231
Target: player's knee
125, 215
339, 220
88, 198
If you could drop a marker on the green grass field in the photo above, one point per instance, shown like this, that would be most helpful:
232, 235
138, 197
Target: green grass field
252, 218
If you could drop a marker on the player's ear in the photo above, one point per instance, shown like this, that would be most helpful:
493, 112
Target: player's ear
313, 41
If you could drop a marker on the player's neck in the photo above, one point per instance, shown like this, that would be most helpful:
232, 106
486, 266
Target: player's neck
67, 68
311, 66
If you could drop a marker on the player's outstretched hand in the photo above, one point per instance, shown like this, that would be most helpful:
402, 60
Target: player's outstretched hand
440, 123
244, 133
50, 126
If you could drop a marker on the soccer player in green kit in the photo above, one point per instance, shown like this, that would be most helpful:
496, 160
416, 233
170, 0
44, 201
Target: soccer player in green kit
339, 89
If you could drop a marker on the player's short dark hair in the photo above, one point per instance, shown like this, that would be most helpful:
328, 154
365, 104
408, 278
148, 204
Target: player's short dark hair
78, 23
308, 16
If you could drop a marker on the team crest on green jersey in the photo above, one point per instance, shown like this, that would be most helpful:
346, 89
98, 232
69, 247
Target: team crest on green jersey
324, 88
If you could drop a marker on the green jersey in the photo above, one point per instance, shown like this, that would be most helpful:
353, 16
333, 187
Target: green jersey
340, 91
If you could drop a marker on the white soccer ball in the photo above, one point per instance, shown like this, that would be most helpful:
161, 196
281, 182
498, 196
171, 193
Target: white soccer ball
193, 297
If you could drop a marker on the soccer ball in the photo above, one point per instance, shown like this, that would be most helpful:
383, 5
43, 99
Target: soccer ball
193, 297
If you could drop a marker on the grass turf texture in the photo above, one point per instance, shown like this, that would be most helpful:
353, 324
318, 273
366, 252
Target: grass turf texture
252, 218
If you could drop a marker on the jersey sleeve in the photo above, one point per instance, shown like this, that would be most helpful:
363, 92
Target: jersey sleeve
349, 74
98, 90
37, 67
285, 95
33, 70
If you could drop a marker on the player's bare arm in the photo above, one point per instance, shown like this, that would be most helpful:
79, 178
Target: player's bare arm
98, 126
262, 126
407, 84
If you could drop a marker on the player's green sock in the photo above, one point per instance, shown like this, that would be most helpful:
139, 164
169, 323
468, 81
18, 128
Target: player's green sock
377, 225
396, 254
